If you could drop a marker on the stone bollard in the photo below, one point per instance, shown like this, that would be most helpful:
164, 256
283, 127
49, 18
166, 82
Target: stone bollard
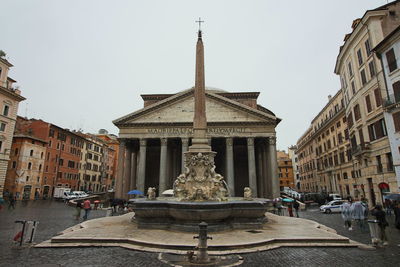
202, 255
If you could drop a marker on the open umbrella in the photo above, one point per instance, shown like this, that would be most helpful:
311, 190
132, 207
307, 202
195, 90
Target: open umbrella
135, 192
169, 192
393, 197
287, 200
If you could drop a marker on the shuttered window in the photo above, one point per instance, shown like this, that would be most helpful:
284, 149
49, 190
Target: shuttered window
363, 77
391, 59
396, 90
368, 102
357, 114
378, 98
396, 119
359, 56
350, 120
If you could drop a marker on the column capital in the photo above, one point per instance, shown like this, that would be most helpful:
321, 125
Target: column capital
272, 140
229, 141
250, 141
164, 141
143, 142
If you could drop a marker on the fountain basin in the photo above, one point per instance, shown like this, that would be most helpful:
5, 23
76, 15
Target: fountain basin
168, 213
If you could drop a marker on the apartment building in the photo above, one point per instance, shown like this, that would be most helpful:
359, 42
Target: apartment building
296, 174
63, 153
388, 51
10, 96
25, 169
91, 164
285, 170
363, 87
307, 162
110, 157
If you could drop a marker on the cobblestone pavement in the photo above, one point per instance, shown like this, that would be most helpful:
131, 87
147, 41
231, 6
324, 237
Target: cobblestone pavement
56, 216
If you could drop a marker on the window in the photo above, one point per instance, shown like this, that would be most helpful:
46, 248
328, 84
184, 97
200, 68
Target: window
14, 164
350, 120
378, 98
50, 143
371, 66
6, 109
61, 162
391, 60
353, 87
368, 102
363, 77
357, 114
51, 133
350, 69
29, 165
371, 132
2, 127
377, 130
360, 58
340, 138
396, 120
345, 175
396, 90
27, 178
367, 47
379, 167
16, 151
41, 155
40, 167
31, 153
389, 161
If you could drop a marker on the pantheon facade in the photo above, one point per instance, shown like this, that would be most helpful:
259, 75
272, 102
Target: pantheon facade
241, 132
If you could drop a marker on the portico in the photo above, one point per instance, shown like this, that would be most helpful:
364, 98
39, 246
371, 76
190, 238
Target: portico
242, 133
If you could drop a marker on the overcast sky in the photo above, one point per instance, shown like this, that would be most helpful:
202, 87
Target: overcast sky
82, 64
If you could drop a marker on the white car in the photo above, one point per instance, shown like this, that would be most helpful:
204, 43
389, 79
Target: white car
333, 206
76, 194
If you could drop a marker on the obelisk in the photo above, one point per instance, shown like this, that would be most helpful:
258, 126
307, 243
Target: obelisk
199, 141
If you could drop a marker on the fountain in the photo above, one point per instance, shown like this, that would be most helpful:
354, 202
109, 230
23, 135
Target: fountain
200, 194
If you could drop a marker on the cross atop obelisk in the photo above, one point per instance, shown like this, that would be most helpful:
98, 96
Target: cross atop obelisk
199, 142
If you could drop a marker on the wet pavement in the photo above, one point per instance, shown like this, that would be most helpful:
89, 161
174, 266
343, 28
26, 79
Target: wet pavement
55, 216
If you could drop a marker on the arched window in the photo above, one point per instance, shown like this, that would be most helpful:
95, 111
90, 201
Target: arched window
29, 165
31, 154
40, 167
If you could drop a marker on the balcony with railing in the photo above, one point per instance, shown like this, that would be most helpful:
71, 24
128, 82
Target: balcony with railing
391, 101
359, 150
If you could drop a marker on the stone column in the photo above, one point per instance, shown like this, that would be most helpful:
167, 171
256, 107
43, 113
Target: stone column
260, 176
185, 145
230, 172
273, 169
163, 166
142, 165
265, 169
127, 170
120, 171
252, 166
133, 169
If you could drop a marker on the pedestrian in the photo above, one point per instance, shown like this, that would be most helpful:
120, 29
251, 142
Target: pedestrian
86, 207
381, 218
397, 215
388, 206
78, 210
296, 207
11, 201
358, 212
290, 209
346, 214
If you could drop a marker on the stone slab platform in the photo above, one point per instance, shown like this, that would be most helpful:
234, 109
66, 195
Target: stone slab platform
280, 231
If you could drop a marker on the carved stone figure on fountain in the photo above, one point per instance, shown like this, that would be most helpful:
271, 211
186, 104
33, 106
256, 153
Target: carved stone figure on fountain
247, 195
151, 193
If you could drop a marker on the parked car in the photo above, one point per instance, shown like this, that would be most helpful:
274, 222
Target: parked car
333, 206
76, 194
335, 196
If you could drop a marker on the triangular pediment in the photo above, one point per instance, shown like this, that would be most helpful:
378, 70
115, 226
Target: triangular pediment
179, 109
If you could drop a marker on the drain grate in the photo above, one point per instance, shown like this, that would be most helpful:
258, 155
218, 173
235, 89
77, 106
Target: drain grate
254, 231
